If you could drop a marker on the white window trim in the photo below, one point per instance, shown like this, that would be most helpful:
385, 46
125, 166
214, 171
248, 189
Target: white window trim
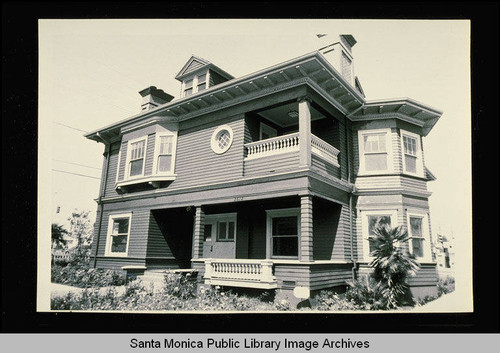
271, 131
118, 165
283, 212
213, 141
388, 144
157, 152
129, 152
194, 87
425, 235
365, 213
419, 163
111, 219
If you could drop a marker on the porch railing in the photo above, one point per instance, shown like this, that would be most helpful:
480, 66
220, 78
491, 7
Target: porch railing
240, 272
324, 150
271, 146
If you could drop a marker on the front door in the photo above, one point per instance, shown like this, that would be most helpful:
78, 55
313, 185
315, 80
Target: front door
220, 236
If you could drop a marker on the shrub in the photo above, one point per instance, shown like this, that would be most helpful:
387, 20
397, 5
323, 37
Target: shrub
328, 300
366, 294
182, 286
446, 286
84, 277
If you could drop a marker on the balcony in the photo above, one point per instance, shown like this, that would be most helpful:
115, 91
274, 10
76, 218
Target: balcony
240, 273
280, 153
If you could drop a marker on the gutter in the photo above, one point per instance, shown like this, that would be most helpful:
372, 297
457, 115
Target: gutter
99, 201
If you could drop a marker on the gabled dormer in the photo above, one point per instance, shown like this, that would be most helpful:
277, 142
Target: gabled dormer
199, 74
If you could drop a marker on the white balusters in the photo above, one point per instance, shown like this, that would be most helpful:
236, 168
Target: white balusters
274, 145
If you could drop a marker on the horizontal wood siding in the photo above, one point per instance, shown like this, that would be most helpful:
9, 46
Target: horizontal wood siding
123, 160
112, 263
157, 245
298, 274
324, 167
95, 232
329, 275
328, 231
413, 184
197, 164
271, 164
396, 150
150, 151
215, 79
426, 276
378, 182
112, 169
257, 235
193, 66
139, 228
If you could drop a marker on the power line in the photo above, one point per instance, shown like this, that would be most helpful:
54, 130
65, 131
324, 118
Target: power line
82, 175
81, 165
69, 127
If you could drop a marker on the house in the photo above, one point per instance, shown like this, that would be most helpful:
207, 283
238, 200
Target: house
445, 256
273, 180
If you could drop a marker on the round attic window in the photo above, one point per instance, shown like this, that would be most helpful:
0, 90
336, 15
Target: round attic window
222, 138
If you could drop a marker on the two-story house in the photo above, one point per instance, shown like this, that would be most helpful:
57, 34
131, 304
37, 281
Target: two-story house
273, 180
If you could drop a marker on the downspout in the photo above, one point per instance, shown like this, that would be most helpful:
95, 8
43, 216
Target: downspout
101, 194
354, 264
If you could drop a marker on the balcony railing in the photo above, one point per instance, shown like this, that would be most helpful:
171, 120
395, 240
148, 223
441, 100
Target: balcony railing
240, 272
290, 143
272, 146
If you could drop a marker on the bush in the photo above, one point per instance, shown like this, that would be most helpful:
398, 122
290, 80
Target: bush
85, 277
182, 286
366, 294
446, 286
328, 300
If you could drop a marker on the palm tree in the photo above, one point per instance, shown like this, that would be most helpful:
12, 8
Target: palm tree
58, 233
392, 262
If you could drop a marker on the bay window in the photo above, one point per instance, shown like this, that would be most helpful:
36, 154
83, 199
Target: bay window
412, 153
418, 234
136, 156
371, 220
375, 152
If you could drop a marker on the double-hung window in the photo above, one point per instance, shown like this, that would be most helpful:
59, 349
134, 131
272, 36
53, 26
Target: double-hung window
412, 153
375, 151
418, 233
283, 228
188, 87
202, 82
136, 156
165, 153
372, 220
118, 234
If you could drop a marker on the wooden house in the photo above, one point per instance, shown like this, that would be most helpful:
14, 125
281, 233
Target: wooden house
273, 180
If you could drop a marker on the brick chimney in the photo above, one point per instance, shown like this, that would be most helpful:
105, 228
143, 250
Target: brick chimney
153, 97
339, 54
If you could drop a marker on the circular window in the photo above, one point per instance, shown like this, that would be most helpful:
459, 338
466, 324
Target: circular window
222, 138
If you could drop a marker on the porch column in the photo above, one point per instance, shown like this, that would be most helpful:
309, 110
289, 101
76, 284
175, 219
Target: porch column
304, 132
306, 228
199, 228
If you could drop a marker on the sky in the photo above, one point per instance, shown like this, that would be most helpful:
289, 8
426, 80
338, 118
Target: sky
92, 70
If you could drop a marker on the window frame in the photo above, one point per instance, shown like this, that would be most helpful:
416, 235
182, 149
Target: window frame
426, 248
389, 153
392, 213
157, 154
127, 175
419, 159
109, 240
214, 143
284, 212
215, 220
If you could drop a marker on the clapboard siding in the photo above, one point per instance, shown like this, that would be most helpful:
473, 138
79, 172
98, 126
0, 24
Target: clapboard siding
113, 263
110, 190
197, 164
409, 183
396, 150
257, 235
378, 182
150, 151
215, 79
329, 275
324, 167
157, 245
328, 231
193, 66
271, 164
122, 161
426, 276
292, 273
139, 233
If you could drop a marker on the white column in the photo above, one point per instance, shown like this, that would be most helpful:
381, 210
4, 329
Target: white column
306, 228
199, 227
304, 132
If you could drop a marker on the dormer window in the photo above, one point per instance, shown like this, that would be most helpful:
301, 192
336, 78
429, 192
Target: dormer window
202, 82
188, 87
